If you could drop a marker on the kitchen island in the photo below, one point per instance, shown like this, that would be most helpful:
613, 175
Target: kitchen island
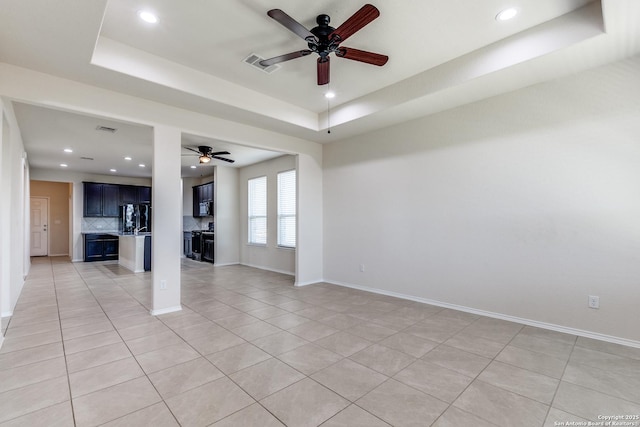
135, 252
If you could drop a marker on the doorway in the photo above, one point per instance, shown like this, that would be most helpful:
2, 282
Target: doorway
39, 208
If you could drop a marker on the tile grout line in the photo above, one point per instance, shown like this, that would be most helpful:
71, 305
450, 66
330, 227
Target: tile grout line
473, 379
66, 365
130, 352
573, 347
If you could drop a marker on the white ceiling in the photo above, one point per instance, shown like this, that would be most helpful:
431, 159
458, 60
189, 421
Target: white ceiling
48, 132
442, 55
416, 35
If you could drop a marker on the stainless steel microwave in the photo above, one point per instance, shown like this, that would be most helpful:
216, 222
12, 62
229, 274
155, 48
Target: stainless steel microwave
206, 208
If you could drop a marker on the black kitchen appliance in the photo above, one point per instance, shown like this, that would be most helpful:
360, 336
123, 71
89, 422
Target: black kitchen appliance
206, 208
207, 246
196, 245
134, 218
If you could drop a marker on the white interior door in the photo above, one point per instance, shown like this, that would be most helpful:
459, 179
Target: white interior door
39, 228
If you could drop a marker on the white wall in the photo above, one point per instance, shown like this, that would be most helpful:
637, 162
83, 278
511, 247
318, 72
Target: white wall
14, 196
76, 179
309, 230
48, 91
521, 205
269, 257
227, 215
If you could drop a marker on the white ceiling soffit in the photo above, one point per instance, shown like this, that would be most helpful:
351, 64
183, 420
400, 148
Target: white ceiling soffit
429, 55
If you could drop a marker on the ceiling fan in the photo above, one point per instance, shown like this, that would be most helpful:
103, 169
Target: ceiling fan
325, 40
205, 154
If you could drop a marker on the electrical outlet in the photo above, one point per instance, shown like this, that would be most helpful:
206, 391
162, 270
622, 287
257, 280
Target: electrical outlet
163, 284
594, 301
361, 268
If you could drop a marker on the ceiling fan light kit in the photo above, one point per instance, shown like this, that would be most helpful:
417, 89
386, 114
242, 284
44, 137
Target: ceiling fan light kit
324, 40
206, 154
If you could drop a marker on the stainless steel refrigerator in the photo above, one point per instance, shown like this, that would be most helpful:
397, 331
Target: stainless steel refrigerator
134, 217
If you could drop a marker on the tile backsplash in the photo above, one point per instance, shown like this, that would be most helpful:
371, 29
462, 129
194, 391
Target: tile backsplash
99, 224
189, 223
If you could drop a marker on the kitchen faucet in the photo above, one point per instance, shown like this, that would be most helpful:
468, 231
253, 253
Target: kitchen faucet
137, 230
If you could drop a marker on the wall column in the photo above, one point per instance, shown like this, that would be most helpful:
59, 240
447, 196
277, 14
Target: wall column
4, 220
166, 220
309, 247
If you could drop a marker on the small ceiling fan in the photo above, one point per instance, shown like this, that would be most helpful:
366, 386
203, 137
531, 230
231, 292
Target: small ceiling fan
205, 154
325, 40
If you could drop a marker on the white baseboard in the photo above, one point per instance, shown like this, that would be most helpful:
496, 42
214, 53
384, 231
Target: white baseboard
166, 310
58, 254
288, 273
6, 314
1, 340
224, 264
312, 282
77, 260
529, 322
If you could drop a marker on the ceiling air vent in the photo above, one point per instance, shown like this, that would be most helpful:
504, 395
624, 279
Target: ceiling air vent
86, 158
106, 129
254, 60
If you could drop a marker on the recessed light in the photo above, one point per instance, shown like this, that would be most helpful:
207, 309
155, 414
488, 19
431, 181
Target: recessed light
141, 165
193, 167
63, 165
68, 150
330, 95
112, 170
506, 14
147, 16
127, 158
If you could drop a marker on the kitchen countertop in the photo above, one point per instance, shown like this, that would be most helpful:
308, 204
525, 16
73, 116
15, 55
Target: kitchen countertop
101, 232
117, 233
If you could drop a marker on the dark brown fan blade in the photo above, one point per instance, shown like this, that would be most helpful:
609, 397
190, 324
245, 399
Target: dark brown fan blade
362, 17
191, 149
218, 153
223, 159
285, 57
323, 71
362, 56
291, 24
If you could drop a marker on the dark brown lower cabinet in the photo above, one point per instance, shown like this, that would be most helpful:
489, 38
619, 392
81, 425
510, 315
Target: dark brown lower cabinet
100, 247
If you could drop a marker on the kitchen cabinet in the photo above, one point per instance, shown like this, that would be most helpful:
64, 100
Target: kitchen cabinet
92, 199
144, 195
207, 192
128, 194
110, 200
104, 200
201, 193
186, 244
134, 194
101, 200
100, 247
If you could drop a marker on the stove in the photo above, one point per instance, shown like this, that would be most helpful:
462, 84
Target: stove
202, 244
207, 246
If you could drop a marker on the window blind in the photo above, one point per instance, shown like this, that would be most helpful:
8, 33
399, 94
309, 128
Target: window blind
258, 210
287, 209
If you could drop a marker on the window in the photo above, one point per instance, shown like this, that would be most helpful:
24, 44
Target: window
287, 209
258, 210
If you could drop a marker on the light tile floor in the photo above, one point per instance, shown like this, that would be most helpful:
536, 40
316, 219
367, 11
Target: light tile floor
249, 349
